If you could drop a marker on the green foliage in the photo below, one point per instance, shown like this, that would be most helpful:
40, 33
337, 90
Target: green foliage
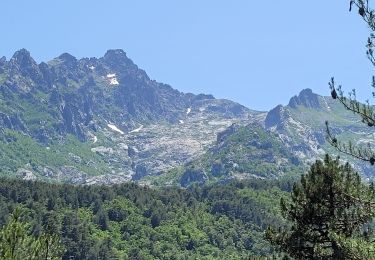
327, 203
355, 248
16, 242
20, 151
170, 177
128, 221
248, 152
251, 151
364, 110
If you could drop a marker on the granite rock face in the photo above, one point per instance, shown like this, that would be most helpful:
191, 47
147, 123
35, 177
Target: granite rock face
286, 140
301, 127
83, 94
133, 126
305, 98
275, 117
103, 120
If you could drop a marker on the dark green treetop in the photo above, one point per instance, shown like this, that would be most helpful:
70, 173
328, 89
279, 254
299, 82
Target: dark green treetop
328, 206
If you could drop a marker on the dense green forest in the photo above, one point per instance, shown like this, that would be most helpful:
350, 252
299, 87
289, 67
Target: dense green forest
129, 221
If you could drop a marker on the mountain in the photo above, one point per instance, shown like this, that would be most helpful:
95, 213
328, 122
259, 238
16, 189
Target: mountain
301, 127
240, 152
284, 142
104, 121
101, 120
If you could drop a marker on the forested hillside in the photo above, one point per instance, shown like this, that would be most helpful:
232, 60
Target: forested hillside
128, 221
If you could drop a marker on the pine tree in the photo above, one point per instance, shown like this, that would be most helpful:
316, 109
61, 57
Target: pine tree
16, 242
364, 110
328, 207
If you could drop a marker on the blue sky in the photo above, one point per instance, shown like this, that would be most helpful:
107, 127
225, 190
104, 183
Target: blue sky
258, 53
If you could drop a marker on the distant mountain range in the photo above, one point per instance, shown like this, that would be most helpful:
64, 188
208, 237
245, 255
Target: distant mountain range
103, 120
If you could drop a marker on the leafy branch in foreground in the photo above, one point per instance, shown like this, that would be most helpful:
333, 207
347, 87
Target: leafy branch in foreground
364, 153
17, 244
350, 102
355, 248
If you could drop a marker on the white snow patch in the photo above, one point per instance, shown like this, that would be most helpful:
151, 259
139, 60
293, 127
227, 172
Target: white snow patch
136, 130
188, 111
217, 123
95, 139
114, 81
91, 67
181, 121
325, 101
114, 128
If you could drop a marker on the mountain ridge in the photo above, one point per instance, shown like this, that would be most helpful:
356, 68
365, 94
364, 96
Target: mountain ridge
293, 137
103, 120
106, 103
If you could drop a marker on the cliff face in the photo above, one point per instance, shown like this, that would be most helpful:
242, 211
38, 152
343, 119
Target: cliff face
103, 120
301, 127
129, 124
286, 140
305, 98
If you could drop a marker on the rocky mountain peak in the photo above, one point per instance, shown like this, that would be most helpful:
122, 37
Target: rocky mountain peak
67, 58
22, 58
305, 98
24, 65
274, 116
117, 57
118, 60
115, 53
3, 60
21, 55
68, 100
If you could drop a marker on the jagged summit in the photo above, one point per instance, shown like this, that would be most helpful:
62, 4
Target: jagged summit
118, 60
67, 57
274, 116
126, 123
305, 98
20, 67
22, 58
21, 54
102, 120
115, 53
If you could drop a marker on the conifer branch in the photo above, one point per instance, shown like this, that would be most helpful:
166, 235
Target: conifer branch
361, 153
